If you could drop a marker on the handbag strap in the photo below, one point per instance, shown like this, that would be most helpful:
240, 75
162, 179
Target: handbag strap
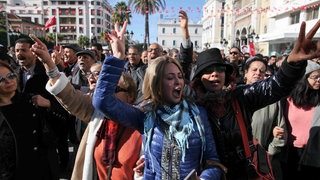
243, 129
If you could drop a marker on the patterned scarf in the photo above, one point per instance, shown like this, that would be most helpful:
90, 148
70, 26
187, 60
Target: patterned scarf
108, 133
179, 119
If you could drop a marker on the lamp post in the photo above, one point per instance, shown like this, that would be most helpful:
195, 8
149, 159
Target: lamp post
252, 37
207, 45
93, 39
224, 42
5, 14
129, 37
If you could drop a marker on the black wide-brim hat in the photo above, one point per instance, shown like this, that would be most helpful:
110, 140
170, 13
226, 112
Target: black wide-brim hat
209, 58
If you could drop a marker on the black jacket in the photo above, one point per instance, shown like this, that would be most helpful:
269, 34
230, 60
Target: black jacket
251, 98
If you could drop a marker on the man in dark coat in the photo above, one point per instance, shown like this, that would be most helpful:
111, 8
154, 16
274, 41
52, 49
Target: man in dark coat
33, 80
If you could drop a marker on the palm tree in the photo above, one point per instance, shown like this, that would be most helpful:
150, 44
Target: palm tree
146, 7
83, 41
52, 38
121, 13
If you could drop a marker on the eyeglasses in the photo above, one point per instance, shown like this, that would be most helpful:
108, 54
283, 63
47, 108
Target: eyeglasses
95, 74
153, 49
8, 76
218, 69
120, 89
315, 77
233, 52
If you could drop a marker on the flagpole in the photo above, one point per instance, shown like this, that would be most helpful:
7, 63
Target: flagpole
56, 35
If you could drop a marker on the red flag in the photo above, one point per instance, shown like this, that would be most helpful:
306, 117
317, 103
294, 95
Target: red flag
51, 22
252, 50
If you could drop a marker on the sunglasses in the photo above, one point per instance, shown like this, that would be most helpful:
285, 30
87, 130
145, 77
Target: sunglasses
233, 52
211, 69
120, 89
8, 76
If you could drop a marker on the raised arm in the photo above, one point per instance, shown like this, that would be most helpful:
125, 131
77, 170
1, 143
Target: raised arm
183, 17
41, 51
186, 47
58, 85
104, 96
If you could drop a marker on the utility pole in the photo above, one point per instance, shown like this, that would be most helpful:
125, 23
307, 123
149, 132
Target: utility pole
7, 28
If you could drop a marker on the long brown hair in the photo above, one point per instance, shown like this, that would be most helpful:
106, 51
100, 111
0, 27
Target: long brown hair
152, 85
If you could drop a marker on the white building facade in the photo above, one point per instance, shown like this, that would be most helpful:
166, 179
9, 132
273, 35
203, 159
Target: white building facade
213, 24
170, 34
74, 18
271, 25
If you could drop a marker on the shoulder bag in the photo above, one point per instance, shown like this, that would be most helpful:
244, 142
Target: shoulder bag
259, 166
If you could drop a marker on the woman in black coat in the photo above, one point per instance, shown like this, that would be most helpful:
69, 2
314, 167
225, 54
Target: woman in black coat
24, 152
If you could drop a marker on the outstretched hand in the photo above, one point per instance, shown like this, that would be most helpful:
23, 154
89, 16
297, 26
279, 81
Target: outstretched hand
183, 18
57, 55
306, 48
117, 40
40, 49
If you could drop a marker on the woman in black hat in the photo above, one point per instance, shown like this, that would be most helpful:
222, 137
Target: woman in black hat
214, 87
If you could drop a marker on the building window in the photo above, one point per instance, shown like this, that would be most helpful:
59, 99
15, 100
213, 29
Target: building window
45, 3
265, 29
174, 42
196, 31
72, 2
93, 21
80, 21
295, 17
163, 42
196, 44
312, 13
174, 30
163, 30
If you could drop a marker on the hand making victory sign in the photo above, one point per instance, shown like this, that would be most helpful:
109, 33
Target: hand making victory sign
305, 48
117, 40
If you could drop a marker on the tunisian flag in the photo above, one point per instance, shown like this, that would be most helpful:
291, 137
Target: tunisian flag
51, 22
252, 49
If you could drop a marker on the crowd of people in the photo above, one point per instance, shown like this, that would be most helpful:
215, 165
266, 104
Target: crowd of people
75, 113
